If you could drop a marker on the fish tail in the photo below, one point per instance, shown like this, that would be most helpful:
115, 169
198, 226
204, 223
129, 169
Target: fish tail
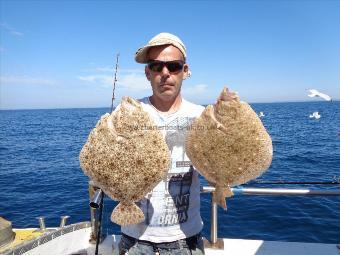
126, 214
220, 195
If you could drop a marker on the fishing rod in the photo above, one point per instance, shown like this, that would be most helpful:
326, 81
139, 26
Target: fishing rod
114, 82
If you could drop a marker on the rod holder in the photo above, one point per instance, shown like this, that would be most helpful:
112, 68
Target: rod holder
95, 202
63, 220
95, 196
41, 223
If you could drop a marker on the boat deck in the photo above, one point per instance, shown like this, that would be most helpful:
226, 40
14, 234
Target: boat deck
244, 247
74, 240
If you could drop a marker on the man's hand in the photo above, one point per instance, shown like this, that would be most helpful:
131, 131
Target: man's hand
228, 95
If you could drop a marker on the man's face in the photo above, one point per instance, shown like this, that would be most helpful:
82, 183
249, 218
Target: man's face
166, 85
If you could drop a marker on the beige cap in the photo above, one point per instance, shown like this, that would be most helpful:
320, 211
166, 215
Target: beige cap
160, 39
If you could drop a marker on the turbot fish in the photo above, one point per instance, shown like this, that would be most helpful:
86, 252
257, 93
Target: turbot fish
126, 157
229, 145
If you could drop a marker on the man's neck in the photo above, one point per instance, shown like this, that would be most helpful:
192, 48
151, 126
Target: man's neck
166, 106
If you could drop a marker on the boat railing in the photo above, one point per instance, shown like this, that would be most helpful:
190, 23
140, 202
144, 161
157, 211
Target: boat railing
95, 193
217, 243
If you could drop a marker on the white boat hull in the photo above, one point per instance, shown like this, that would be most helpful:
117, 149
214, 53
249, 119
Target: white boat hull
74, 239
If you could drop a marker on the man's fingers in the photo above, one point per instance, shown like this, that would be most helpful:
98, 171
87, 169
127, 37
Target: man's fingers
229, 96
234, 95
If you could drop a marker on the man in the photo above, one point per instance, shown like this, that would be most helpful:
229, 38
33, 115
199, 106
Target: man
172, 209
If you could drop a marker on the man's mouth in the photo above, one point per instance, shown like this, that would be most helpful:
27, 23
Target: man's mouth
166, 85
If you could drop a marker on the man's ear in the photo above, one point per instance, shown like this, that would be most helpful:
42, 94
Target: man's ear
147, 72
186, 71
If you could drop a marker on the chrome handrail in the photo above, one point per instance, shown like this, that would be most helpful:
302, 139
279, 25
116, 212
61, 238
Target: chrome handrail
275, 191
256, 191
214, 241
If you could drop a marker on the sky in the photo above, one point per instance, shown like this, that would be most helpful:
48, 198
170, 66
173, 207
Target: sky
62, 54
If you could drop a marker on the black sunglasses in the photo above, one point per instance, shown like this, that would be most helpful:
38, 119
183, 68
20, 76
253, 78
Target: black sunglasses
172, 66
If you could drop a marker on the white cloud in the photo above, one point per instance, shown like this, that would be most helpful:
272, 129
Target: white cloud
25, 80
198, 89
129, 79
198, 93
11, 30
103, 69
134, 81
103, 80
137, 71
111, 70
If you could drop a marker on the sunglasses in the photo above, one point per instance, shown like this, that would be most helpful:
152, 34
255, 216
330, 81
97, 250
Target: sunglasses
172, 66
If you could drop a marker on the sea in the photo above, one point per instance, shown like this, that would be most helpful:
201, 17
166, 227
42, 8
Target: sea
40, 173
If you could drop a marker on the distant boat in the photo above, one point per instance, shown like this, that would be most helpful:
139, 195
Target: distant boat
315, 115
315, 93
261, 114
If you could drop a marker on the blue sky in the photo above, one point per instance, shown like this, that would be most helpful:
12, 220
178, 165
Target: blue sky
61, 54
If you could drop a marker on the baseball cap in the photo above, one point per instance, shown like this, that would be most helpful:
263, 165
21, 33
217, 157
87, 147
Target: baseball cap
160, 39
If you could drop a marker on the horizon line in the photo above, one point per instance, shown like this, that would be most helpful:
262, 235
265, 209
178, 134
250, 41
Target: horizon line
101, 107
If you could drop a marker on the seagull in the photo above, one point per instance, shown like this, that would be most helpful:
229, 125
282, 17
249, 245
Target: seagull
315, 93
261, 114
315, 115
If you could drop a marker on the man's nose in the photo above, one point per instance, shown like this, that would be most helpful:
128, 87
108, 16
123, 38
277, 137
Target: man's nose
165, 71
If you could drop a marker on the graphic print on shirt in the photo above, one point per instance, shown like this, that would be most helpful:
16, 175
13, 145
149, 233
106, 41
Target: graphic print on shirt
175, 201
175, 137
176, 198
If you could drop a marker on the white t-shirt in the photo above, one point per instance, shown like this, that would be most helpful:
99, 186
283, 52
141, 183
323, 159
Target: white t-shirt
172, 208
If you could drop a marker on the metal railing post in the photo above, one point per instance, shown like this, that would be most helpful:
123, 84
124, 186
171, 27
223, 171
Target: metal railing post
63, 220
94, 222
213, 227
215, 242
42, 223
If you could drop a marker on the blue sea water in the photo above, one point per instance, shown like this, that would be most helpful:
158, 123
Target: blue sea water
40, 173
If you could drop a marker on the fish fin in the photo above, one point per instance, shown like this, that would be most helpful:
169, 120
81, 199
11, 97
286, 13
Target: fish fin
221, 193
126, 214
210, 113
